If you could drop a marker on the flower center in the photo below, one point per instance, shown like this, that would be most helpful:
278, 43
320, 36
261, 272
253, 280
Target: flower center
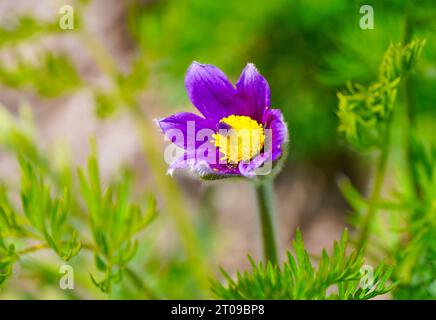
239, 138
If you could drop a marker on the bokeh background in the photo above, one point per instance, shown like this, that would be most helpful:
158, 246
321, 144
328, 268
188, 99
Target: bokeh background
307, 50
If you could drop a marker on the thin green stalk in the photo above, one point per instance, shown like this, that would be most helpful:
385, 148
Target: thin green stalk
409, 123
32, 248
137, 281
264, 197
375, 195
408, 127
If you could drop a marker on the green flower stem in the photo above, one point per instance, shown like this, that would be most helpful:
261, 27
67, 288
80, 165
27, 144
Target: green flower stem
264, 199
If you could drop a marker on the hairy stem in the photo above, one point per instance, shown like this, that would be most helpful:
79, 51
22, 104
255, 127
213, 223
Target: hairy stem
264, 199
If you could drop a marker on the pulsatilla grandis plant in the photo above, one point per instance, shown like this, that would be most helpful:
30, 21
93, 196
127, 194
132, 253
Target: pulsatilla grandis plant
230, 140
239, 135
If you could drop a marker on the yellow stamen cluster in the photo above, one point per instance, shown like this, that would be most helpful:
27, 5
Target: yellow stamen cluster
242, 141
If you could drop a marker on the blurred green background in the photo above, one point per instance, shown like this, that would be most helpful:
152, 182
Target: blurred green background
307, 50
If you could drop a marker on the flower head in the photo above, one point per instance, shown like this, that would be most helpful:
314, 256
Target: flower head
238, 132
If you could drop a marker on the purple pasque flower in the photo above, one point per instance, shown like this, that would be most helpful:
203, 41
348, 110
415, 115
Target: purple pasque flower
237, 134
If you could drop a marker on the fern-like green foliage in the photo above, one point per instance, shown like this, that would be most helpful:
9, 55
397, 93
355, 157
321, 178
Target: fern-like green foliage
365, 112
24, 28
7, 257
114, 220
52, 213
48, 214
416, 257
43, 217
365, 115
339, 276
52, 76
16, 135
125, 92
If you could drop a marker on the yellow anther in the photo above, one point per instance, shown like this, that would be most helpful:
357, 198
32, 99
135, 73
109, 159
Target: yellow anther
243, 139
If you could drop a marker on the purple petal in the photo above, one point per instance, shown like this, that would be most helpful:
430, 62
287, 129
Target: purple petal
221, 168
183, 129
254, 89
185, 161
190, 159
199, 164
273, 120
212, 93
249, 169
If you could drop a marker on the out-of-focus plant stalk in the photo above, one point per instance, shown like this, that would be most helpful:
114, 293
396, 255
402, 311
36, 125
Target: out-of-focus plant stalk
409, 122
264, 198
375, 194
175, 204
408, 128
